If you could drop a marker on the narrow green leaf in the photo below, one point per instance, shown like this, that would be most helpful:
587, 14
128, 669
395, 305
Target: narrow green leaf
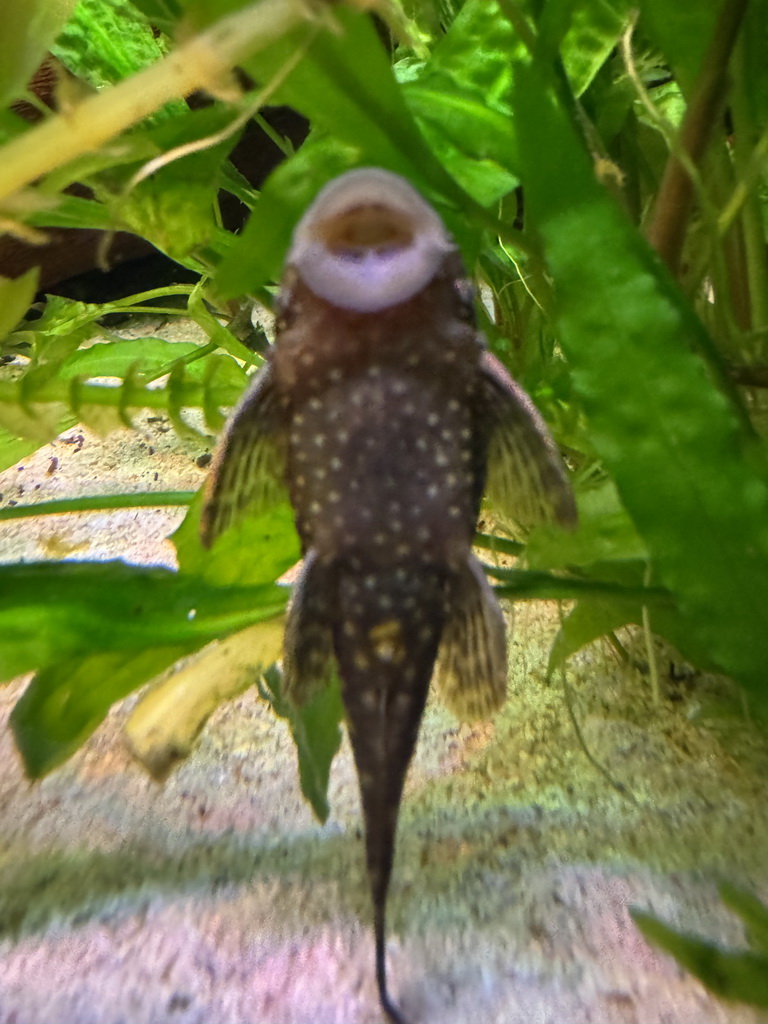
16, 297
13, 448
316, 733
686, 470
65, 702
738, 976
29, 28
97, 503
119, 358
752, 912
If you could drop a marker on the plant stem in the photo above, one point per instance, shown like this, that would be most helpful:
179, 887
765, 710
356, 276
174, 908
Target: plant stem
668, 227
200, 63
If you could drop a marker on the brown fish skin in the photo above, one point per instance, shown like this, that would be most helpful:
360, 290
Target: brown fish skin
378, 409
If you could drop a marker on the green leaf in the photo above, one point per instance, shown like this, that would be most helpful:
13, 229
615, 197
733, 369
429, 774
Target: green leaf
316, 733
475, 142
16, 296
587, 622
13, 448
738, 976
687, 471
344, 84
595, 28
604, 533
73, 212
257, 550
29, 28
56, 612
752, 912
105, 43
257, 254
682, 32
119, 358
64, 703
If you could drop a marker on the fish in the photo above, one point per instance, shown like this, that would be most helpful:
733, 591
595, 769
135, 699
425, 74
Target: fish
384, 417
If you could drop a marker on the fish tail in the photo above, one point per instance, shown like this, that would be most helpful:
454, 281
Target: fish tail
386, 640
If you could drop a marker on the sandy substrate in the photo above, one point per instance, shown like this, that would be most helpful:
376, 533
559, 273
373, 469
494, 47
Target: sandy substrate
218, 899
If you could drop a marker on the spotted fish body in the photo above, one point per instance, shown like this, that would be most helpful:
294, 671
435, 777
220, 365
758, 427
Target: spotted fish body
380, 408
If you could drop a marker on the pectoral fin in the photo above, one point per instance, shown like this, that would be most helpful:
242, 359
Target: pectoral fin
471, 669
527, 481
249, 466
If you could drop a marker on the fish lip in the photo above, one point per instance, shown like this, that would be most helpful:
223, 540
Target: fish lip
369, 241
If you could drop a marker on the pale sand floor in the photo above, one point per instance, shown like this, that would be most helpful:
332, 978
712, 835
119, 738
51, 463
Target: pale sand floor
218, 899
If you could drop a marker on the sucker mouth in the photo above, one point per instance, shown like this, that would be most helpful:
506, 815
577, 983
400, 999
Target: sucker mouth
369, 241
367, 227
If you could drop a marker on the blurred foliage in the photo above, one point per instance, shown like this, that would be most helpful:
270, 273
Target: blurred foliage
739, 976
602, 166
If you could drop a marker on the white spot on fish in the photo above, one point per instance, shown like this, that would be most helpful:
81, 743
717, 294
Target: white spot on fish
315, 403
433, 419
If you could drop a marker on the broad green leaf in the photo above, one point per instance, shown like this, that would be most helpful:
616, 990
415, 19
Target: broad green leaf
687, 471
604, 533
316, 733
475, 142
593, 32
739, 976
257, 550
104, 43
57, 612
587, 622
477, 57
65, 702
